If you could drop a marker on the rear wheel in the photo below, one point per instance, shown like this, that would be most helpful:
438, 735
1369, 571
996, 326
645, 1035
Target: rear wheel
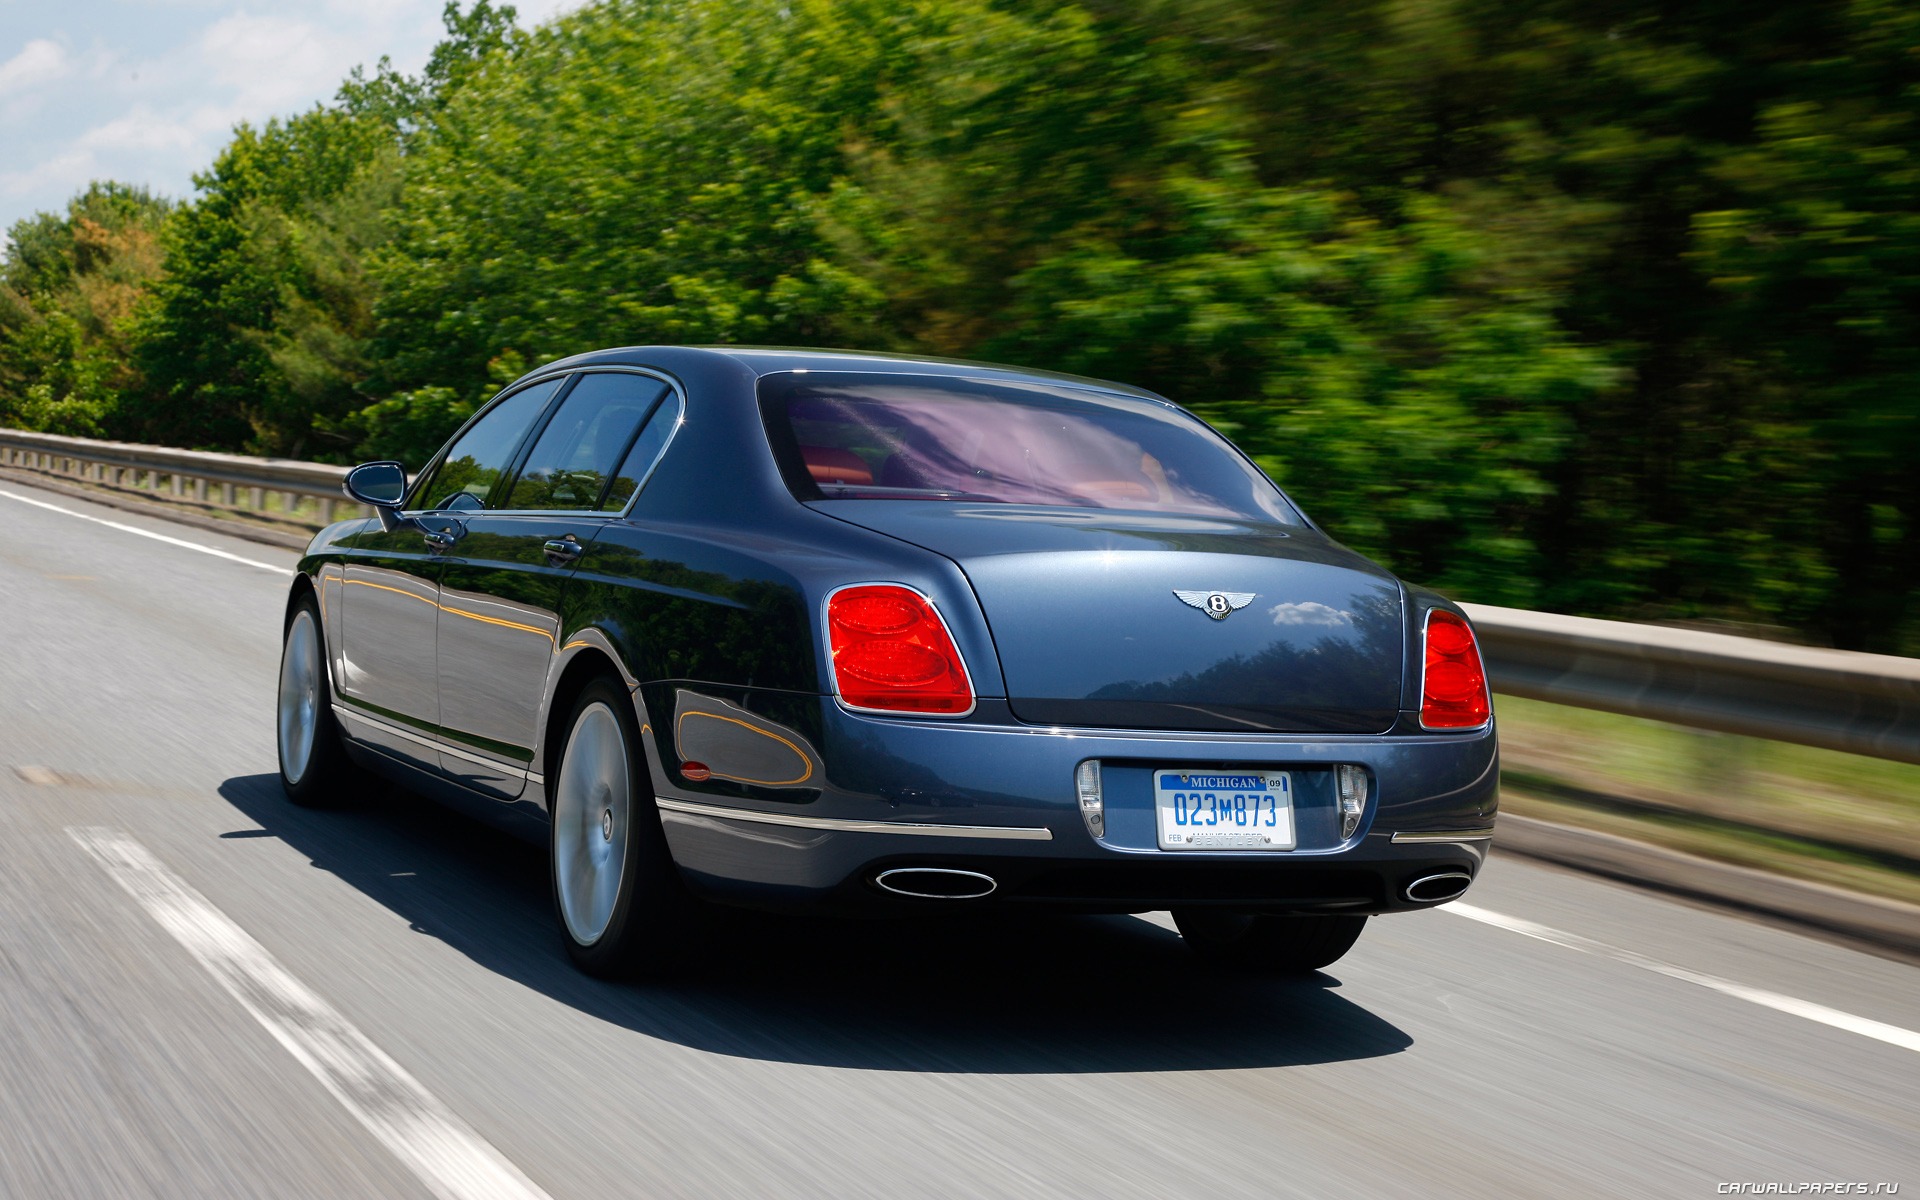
314, 767
621, 905
1268, 943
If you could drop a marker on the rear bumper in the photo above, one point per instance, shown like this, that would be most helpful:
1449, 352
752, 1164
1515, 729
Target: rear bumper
998, 799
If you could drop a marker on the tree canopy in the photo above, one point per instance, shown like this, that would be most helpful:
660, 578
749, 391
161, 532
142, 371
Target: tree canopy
1611, 309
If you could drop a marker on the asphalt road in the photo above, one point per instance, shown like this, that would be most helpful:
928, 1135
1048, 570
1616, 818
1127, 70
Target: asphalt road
1562, 1037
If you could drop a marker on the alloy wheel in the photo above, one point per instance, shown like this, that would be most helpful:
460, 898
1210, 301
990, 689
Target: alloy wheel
591, 823
298, 717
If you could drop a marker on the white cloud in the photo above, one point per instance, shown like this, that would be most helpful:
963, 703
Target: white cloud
39, 62
1311, 612
64, 173
143, 129
270, 61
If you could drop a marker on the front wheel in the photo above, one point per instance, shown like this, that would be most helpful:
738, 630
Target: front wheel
621, 905
1268, 943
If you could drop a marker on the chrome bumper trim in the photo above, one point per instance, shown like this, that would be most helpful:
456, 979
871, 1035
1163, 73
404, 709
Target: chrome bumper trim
1007, 833
433, 743
1453, 835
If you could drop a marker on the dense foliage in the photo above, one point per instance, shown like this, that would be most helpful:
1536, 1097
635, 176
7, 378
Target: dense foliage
1602, 308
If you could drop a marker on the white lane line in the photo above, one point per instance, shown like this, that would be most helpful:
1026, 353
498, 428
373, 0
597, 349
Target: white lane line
448, 1156
147, 533
1891, 1034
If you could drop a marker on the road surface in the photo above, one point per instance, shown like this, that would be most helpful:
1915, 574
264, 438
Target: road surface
208, 992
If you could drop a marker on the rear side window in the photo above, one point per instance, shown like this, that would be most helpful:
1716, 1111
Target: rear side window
575, 454
471, 471
907, 437
640, 460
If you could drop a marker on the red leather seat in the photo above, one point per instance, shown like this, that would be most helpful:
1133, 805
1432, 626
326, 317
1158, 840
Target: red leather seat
829, 465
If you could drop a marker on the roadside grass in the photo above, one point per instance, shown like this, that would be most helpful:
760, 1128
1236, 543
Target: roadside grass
1838, 819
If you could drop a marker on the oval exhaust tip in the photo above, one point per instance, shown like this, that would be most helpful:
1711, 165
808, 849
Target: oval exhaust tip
1430, 889
935, 883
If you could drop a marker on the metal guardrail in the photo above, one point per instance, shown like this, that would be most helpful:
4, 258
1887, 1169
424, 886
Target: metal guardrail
1859, 703
298, 493
1835, 699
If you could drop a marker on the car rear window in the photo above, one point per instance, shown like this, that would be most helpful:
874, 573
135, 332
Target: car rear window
868, 436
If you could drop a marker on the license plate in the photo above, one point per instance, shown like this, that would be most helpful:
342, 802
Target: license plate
1228, 810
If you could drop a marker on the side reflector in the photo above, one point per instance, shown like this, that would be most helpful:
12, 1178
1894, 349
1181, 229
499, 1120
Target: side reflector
892, 652
1086, 782
1453, 687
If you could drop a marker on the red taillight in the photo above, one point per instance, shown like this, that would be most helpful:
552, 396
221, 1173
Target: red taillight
892, 652
1453, 689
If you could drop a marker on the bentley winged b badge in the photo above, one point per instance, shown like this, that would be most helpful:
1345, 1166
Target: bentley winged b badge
1218, 605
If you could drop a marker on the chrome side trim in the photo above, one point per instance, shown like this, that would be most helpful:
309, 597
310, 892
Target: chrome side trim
1453, 835
1006, 833
431, 743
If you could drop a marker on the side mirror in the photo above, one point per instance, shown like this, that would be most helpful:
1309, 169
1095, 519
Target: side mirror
380, 484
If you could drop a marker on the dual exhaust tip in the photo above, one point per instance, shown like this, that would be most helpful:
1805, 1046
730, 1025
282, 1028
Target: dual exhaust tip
949, 883
1432, 889
935, 883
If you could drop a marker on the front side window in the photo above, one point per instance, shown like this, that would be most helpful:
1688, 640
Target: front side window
576, 453
471, 471
906, 437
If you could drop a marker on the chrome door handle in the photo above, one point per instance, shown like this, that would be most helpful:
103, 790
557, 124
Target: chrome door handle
440, 539
564, 549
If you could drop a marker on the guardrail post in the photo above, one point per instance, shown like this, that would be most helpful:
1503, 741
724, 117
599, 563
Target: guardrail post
200, 490
257, 499
226, 494
326, 510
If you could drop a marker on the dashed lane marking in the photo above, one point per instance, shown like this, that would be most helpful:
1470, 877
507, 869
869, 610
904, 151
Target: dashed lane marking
147, 533
455, 1162
1893, 1035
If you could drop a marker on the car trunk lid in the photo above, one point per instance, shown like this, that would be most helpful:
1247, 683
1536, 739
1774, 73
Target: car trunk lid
1086, 612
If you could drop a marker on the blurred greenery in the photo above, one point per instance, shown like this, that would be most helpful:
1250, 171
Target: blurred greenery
1818, 814
1603, 308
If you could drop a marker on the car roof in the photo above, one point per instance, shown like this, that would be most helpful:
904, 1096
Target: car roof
769, 360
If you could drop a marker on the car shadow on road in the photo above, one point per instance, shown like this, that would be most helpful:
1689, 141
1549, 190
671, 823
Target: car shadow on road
1007, 994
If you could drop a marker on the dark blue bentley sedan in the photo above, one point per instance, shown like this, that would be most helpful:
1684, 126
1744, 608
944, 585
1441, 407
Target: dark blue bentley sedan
790, 627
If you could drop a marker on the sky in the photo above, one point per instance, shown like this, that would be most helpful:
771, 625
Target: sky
147, 91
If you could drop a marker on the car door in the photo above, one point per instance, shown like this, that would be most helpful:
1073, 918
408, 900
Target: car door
502, 582
390, 588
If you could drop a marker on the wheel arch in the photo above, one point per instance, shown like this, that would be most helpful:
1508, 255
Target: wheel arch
589, 656
302, 585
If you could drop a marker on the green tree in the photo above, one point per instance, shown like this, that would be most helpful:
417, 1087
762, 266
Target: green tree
70, 286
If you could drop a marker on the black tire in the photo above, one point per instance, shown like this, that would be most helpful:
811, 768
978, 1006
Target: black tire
1268, 943
328, 778
643, 931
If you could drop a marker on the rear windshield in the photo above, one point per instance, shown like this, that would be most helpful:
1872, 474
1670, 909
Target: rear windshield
910, 437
